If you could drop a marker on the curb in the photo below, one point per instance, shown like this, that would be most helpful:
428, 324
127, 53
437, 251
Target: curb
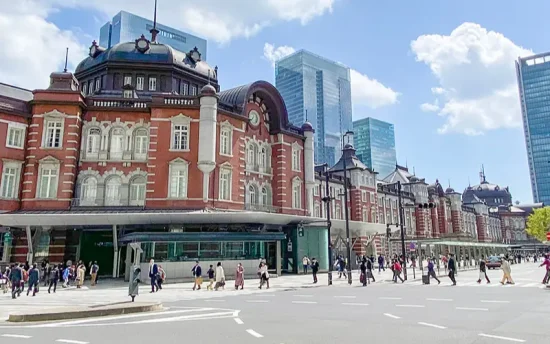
86, 312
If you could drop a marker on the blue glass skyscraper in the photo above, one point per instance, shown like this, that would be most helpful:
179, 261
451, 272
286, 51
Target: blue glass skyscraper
318, 90
534, 89
127, 27
374, 142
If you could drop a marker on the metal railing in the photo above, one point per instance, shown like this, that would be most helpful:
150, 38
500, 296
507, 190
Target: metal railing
262, 208
118, 103
180, 100
105, 202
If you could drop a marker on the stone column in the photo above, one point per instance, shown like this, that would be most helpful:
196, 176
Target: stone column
207, 136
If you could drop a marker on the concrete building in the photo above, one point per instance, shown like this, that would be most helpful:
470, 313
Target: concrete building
534, 91
317, 90
126, 27
374, 141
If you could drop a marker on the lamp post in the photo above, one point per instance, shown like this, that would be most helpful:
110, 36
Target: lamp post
402, 231
348, 240
327, 200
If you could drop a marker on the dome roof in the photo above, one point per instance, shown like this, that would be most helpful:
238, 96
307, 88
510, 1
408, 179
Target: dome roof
154, 53
307, 126
414, 179
208, 90
450, 190
486, 186
348, 146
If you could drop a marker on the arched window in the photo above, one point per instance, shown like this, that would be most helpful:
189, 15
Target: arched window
252, 195
297, 194
117, 143
141, 144
88, 192
252, 153
93, 143
112, 191
263, 157
137, 191
266, 196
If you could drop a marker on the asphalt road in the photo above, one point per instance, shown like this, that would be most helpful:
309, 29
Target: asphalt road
378, 313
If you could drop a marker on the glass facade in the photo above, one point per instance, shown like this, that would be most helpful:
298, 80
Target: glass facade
534, 88
203, 251
127, 27
374, 142
319, 91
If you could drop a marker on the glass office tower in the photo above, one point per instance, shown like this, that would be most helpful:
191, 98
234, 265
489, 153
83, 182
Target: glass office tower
375, 145
317, 90
127, 27
534, 89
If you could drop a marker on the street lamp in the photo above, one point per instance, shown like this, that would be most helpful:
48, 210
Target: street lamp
346, 212
327, 199
402, 231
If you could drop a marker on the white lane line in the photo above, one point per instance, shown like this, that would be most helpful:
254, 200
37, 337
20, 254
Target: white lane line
214, 300
503, 338
389, 298
16, 336
265, 295
70, 341
528, 285
355, 304
257, 301
392, 316
432, 325
345, 297
494, 301
302, 295
446, 300
254, 333
305, 302
238, 321
411, 306
471, 309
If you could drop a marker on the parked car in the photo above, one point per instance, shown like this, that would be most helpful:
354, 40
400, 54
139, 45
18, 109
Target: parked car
493, 262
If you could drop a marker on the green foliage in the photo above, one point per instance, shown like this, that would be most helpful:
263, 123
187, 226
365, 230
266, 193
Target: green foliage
538, 223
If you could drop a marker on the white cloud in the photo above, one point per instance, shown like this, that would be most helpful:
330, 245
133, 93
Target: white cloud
429, 107
217, 20
475, 69
32, 46
364, 90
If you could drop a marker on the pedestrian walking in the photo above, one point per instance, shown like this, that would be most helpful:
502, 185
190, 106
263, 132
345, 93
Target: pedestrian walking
15, 277
381, 263
546, 262
342, 267
153, 272
363, 269
264, 275
451, 265
94, 269
34, 280
53, 277
506, 271
483, 271
431, 270
239, 277
80, 275
197, 275
66, 277
220, 277
161, 277
211, 273
396, 267
370, 265
314, 269
305, 264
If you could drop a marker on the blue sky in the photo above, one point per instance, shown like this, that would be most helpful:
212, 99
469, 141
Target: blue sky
455, 57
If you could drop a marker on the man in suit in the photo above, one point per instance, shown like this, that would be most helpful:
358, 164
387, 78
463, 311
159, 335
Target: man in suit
452, 268
153, 275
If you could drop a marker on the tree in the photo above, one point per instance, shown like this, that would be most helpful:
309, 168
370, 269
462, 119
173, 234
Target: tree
538, 223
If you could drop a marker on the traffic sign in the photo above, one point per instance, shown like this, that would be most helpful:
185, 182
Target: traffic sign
548, 236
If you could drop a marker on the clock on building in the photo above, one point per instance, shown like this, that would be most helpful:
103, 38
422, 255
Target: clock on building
142, 44
254, 117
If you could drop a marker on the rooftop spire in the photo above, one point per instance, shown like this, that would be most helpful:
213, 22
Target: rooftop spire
66, 60
154, 31
482, 175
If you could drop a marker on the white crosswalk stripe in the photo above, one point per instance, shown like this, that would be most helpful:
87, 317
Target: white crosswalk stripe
447, 282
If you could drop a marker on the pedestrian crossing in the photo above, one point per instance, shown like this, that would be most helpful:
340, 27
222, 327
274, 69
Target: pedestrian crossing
483, 284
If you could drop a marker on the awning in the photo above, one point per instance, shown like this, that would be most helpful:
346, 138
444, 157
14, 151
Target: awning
454, 243
194, 237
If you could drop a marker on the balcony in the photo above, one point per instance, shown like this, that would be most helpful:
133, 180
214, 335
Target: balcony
106, 202
262, 208
118, 103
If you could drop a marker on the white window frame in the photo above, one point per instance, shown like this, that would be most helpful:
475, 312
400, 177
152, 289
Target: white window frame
372, 197
183, 121
117, 155
115, 199
317, 210
316, 190
49, 165
267, 194
152, 83
140, 83
128, 94
45, 138
185, 89
84, 88
363, 195
226, 140
14, 192
297, 194
252, 193
251, 155
98, 84
178, 166
296, 159
193, 90
225, 184
93, 153
137, 189
16, 128
141, 144
85, 198
127, 80
365, 215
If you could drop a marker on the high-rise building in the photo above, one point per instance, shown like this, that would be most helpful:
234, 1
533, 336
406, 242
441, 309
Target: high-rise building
319, 91
533, 74
374, 142
125, 27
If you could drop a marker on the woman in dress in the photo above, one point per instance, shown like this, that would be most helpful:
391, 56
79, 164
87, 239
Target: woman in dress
80, 275
220, 277
239, 277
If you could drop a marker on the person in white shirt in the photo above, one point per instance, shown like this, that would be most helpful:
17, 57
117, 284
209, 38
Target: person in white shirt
220, 277
264, 276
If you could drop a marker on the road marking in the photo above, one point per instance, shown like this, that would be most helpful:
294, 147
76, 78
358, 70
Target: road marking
16, 336
214, 300
411, 306
392, 316
503, 338
254, 333
304, 302
355, 304
219, 315
390, 298
70, 341
265, 295
302, 295
529, 285
238, 321
432, 325
494, 301
345, 297
447, 300
471, 309
257, 301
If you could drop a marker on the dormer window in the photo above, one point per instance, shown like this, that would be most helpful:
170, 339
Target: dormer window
140, 82
127, 80
152, 84
128, 94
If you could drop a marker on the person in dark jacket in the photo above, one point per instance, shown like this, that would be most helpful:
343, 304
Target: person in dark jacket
363, 268
34, 279
370, 265
381, 263
53, 278
197, 275
431, 270
153, 275
314, 269
483, 271
451, 265
16, 275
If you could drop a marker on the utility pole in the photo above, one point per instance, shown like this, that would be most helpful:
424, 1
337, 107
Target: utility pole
327, 200
402, 230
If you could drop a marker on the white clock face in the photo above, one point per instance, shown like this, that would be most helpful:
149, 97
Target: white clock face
93, 50
254, 117
142, 44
